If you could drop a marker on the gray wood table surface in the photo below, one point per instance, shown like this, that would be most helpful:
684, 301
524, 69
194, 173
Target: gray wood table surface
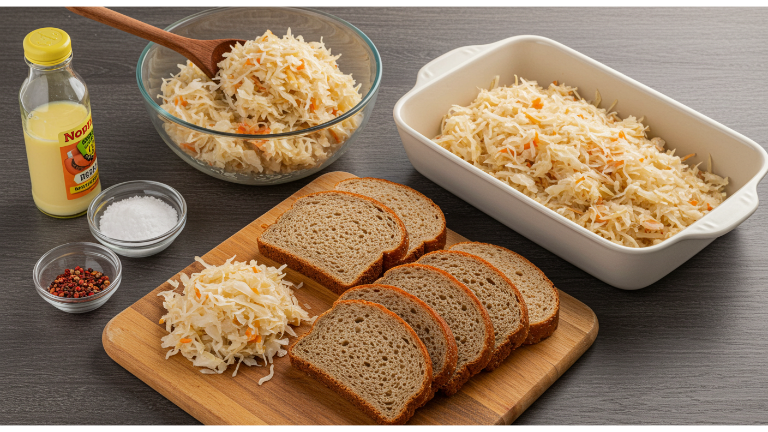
692, 348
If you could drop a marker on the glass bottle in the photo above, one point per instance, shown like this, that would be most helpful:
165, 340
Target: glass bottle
58, 130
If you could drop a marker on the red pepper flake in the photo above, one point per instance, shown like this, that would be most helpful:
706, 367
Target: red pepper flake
78, 283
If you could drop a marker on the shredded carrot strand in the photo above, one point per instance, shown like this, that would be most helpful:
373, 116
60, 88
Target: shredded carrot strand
252, 335
533, 119
162, 321
693, 202
242, 128
686, 157
185, 340
537, 103
298, 68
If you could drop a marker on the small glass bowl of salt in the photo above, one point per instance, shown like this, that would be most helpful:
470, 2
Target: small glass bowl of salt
137, 218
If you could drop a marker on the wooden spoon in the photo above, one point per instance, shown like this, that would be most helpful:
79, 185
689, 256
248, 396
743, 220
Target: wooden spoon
206, 54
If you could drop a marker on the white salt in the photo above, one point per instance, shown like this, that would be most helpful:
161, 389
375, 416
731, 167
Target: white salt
137, 218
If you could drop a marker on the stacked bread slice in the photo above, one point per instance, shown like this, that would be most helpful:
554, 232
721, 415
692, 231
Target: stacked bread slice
401, 330
350, 236
338, 238
498, 295
540, 295
430, 327
467, 318
370, 356
423, 219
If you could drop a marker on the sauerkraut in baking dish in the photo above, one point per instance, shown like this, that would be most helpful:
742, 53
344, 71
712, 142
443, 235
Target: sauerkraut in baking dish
581, 161
237, 312
269, 85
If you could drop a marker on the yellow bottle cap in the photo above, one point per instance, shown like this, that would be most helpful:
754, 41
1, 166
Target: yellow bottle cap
47, 46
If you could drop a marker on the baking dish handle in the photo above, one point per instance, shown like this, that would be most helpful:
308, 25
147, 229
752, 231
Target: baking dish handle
450, 60
727, 216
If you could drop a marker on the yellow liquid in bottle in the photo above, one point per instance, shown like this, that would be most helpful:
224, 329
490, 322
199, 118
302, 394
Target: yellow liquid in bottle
46, 171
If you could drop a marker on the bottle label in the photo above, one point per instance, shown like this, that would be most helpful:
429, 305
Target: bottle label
78, 157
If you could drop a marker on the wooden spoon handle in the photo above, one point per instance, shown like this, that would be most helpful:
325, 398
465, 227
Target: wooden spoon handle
135, 27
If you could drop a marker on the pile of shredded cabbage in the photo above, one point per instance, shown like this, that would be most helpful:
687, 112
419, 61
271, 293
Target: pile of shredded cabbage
270, 85
235, 312
581, 161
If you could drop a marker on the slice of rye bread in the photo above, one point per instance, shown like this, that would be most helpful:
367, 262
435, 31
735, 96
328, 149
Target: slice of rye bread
498, 294
459, 307
423, 219
370, 356
540, 295
339, 239
429, 326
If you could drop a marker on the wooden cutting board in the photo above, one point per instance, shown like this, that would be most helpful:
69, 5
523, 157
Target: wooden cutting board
132, 339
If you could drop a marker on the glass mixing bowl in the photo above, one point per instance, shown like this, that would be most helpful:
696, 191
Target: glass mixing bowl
359, 57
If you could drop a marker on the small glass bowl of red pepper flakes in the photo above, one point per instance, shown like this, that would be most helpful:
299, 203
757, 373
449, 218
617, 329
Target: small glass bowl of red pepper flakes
79, 283
77, 277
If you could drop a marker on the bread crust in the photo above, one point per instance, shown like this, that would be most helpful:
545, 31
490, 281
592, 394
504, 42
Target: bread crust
515, 338
543, 329
441, 377
461, 376
388, 258
423, 395
436, 243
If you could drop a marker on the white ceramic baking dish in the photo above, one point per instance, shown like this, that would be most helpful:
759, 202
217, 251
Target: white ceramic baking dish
454, 78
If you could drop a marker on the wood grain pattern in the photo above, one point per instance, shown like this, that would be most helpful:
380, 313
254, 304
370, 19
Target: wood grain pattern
132, 339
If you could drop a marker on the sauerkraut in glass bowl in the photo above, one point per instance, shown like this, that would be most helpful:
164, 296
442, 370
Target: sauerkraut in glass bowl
263, 124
